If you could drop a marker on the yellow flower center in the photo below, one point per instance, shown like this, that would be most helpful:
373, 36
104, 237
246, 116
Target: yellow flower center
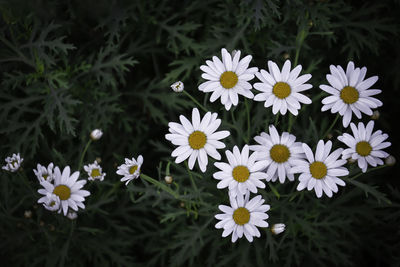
45, 176
318, 169
228, 79
241, 173
279, 153
281, 90
363, 148
95, 173
14, 163
241, 216
133, 169
197, 140
52, 203
349, 95
62, 191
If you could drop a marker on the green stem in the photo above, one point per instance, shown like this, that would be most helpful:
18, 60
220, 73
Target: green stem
195, 101
290, 122
83, 154
276, 119
330, 127
160, 185
369, 170
248, 119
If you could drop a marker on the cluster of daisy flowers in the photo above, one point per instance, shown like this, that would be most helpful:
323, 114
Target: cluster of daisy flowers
275, 156
62, 191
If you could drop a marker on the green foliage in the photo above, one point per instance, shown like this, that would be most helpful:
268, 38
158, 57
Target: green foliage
68, 67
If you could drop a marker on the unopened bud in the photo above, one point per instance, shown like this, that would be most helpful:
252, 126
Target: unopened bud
96, 134
178, 86
351, 160
286, 55
375, 115
390, 160
28, 214
168, 179
278, 228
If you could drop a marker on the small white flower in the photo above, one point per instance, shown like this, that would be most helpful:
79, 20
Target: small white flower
178, 86
278, 153
43, 173
94, 171
96, 134
281, 90
67, 187
51, 202
321, 172
228, 78
350, 93
13, 163
243, 217
242, 174
72, 215
196, 139
278, 228
131, 169
364, 145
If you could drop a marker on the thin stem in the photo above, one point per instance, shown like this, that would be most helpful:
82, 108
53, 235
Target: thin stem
248, 119
330, 127
195, 101
369, 170
276, 119
83, 154
160, 185
290, 122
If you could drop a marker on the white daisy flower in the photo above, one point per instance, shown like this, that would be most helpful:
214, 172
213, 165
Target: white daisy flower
278, 153
321, 172
243, 217
96, 134
228, 78
196, 139
242, 174
131, 169
350, 93
178, 86
51, 202
364, 145
94, 171
43, 173
278, 228
67, 188
13, 163
281, 89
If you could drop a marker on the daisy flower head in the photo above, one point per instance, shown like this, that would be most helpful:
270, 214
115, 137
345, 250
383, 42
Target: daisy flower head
196, 139
94, 171
320, 172
242, 173
51, 201
131, 169
243, 217
278, 152
43, 173
13, 163
350, 93
228, 78
364, 145
67, 188
281, 89
177, 86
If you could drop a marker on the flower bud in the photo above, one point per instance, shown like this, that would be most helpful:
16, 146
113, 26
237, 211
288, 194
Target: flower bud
168, 179
390, 160
278, 228
177, 86
375, 115
96, 134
